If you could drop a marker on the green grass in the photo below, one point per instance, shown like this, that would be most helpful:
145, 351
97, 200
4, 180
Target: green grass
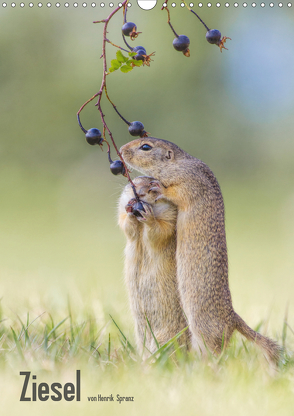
53, 346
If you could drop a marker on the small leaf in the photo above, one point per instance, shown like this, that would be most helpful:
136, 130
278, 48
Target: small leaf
136, 63
132, 53
115, 64
126, 68
120, 57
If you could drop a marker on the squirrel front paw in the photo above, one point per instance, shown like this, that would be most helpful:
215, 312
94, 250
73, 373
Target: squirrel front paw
156, 190
146, 214
130, 209
139, 210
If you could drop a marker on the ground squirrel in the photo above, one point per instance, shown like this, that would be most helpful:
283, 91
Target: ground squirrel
201, 252
150, 265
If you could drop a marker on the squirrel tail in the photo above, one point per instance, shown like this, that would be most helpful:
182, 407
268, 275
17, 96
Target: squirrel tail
271, 349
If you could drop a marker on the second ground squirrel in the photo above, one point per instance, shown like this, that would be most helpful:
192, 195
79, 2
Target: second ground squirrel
201, 252
150, 266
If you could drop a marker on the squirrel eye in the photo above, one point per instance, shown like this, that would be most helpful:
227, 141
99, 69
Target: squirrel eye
146, 147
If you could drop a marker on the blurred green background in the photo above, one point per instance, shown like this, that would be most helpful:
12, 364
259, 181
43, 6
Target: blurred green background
234, 110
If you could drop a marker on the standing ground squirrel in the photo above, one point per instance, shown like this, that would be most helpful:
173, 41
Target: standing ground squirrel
150, 265
201, 252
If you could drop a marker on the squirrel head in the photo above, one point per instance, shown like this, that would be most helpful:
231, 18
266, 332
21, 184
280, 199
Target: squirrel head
153, 157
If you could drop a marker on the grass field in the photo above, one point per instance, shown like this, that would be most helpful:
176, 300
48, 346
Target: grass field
239, 382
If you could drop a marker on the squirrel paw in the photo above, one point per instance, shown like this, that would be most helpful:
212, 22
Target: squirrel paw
146, 214
156, 189
130, 209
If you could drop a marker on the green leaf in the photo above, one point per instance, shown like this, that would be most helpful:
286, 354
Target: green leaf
115, 64
136, 63
132, 53
120, 57
126, 68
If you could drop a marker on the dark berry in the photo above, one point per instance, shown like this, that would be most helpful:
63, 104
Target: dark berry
136, 128
138, 206
93, 136
139, 48
117, 167
213, 36
181, 43
140, 55
128, 28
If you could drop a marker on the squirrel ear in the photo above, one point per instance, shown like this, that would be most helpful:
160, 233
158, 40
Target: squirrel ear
169, 154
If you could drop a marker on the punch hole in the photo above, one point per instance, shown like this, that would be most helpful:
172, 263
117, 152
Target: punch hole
146, 4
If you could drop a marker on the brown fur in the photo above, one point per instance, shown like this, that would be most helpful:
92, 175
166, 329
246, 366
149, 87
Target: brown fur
201, 253
150, 266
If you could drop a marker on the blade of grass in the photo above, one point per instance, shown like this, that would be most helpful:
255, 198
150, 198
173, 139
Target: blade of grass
220, 357
245, 347
154, 337
17, 343
56, 326
124, 337
33, 321
166, 345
